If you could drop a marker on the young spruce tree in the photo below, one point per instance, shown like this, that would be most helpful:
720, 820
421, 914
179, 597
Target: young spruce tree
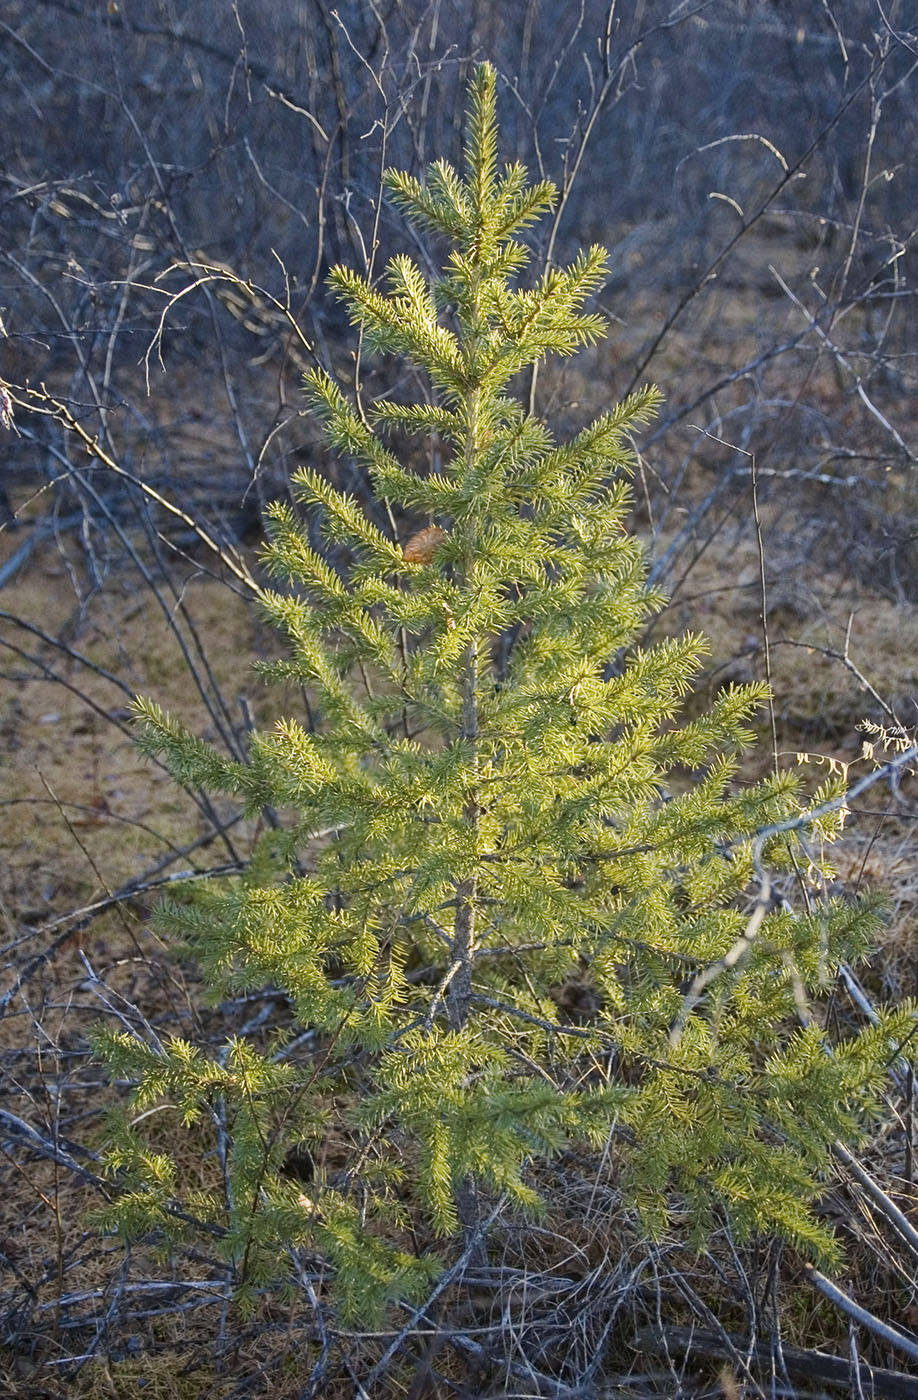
479, 815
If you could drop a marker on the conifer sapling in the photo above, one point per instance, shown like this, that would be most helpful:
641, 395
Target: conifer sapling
476, 818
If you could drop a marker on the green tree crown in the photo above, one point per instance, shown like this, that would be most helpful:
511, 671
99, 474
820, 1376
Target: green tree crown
480, 817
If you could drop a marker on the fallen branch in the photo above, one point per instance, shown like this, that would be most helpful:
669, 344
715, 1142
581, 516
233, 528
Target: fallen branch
851, 1309
24, 1132
818, 1366
887, 1207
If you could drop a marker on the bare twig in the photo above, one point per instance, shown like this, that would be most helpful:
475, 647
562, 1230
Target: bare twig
851, 1309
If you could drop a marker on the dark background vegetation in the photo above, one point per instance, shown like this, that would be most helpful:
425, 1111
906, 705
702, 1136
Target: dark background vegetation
176, 180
